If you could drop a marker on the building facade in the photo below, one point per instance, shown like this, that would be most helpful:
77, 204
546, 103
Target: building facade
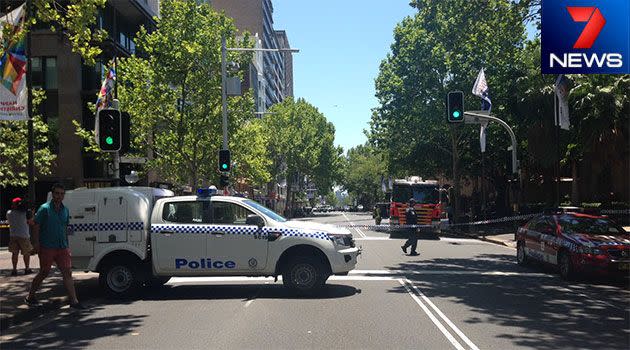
256, 17
70, 85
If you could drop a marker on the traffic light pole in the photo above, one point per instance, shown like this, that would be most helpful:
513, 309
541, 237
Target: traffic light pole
478, 118
224, 111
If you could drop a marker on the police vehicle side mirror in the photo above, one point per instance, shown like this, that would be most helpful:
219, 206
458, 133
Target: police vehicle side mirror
255, 220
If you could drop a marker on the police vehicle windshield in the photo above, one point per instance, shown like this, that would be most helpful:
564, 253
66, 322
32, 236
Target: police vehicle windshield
268, 212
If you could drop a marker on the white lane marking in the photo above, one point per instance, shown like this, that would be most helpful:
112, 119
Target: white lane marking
361, 234
434, 319
357, 275
446, 319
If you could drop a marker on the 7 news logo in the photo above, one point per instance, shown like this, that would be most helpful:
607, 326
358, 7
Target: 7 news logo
585, 37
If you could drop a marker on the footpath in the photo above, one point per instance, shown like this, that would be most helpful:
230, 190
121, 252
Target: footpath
52, 294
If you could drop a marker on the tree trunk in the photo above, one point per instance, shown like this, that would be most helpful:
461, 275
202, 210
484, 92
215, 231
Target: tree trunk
575, 188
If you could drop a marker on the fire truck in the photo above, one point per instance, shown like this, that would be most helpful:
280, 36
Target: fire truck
430, 203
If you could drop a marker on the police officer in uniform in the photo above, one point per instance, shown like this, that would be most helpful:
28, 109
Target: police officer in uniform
411, 219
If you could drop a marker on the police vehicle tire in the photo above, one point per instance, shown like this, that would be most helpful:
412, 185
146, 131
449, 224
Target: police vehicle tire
304, 275
119, 279
565, 266
521, 257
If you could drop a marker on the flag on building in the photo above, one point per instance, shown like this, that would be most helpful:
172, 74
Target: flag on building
106, 94
13, 90
561, 89
482, 90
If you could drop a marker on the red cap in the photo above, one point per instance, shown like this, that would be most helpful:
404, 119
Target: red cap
16, 200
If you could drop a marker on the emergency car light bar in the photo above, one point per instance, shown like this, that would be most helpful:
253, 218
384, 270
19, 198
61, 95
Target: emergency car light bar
562, 210
207, 192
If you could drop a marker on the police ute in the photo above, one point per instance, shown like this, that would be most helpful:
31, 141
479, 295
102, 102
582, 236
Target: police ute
142, 236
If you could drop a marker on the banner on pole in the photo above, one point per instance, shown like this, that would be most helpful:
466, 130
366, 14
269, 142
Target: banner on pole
561, 89
13, 90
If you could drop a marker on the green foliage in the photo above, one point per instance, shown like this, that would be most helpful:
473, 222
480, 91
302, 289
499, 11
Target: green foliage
74, 18
183, 62
301, 144
363, 173
14, 148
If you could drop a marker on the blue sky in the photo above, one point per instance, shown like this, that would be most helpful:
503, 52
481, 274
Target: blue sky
342, 43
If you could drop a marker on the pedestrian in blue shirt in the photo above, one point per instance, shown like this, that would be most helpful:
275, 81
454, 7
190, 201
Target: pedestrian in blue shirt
51, 242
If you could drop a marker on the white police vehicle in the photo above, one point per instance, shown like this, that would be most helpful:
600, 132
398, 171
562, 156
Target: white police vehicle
135, 236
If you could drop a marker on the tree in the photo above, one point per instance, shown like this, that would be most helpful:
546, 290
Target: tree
173, 94
301, 144
14, 148
441, 49
363, 174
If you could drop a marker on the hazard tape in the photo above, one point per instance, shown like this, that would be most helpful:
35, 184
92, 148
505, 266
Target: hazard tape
387, 227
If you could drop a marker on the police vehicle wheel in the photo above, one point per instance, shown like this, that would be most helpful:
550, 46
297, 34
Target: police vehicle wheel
304, 276
119, 280
521, 257
565, 266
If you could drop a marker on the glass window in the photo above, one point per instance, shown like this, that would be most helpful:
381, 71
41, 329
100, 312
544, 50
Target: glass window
195, 212
589, 225
37, 73
268, 212
229, 213
50, 74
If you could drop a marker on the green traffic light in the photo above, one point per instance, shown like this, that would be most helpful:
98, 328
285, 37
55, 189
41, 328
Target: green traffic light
109, 140
456, 114
224, 166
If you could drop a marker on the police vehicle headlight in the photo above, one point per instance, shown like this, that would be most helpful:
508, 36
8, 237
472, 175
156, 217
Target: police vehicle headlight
343, 240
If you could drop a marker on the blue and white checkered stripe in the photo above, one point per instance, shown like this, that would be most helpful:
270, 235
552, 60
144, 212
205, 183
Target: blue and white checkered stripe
108, 226
237, 230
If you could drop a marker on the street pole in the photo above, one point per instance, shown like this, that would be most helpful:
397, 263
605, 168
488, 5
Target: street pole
29, 88
224, 110
557, 127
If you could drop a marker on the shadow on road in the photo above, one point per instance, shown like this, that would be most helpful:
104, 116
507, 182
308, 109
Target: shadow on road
76, 331
243, 292
545, 311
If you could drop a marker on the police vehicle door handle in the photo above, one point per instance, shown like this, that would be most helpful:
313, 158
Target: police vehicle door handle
167, 232
92, 238
218, 233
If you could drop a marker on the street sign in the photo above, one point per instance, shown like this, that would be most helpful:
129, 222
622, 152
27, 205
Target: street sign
133, 160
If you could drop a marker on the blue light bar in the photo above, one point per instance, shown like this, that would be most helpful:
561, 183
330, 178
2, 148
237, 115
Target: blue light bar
206, 192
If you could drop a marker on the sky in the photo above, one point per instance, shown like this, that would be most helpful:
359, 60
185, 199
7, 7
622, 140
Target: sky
342, 43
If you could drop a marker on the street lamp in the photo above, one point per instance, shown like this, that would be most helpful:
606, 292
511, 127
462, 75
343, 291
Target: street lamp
224, 50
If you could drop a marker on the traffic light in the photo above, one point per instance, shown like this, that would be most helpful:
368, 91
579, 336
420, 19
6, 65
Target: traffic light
224, 181
108, 125
224, 160
455, 104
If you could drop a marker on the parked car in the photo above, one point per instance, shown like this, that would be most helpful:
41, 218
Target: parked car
575, 242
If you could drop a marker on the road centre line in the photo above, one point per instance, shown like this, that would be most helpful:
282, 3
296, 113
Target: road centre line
355, 228
438, 324
446, 319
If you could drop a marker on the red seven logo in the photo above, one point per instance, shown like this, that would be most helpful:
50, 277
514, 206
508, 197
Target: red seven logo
596, 22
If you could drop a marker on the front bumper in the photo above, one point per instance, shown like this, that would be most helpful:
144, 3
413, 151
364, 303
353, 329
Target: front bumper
345, 260
603, 267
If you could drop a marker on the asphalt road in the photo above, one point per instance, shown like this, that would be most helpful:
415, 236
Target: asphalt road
458, 294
